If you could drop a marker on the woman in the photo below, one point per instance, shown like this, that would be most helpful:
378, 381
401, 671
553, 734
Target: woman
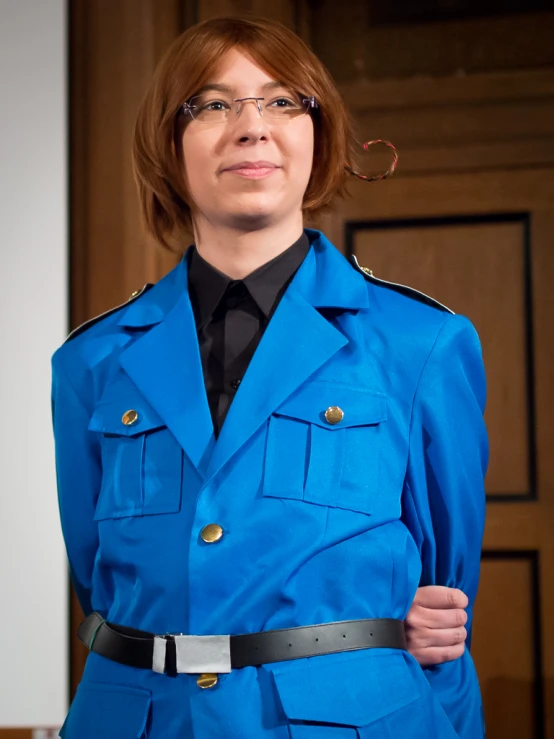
301, 517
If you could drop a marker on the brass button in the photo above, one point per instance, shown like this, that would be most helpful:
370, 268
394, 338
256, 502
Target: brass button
366, 269
334, 414
133, 294
130, 417
206, 680
212, 532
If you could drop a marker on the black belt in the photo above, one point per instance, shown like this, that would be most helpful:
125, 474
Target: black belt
136, 648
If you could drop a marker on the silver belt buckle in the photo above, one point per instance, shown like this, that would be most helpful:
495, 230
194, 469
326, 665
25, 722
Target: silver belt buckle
195, 654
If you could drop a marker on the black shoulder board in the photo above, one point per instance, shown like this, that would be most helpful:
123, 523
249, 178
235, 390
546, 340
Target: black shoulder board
87, 324
410, 292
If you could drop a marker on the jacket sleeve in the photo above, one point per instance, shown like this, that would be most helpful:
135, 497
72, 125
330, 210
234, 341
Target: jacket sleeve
78, 474
444, 496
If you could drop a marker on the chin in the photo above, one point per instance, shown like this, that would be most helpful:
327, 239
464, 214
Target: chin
255, 214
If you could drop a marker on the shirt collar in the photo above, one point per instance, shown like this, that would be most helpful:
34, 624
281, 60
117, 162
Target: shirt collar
265, 284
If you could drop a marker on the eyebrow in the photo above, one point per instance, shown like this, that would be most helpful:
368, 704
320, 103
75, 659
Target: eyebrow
218, 87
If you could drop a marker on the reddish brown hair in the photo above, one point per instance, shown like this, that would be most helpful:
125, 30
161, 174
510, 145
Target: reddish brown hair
191, 62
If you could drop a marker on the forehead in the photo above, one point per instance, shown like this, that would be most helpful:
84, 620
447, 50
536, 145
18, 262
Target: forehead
237, 68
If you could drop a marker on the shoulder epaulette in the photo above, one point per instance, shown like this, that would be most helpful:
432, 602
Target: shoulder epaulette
410, 292
87, 324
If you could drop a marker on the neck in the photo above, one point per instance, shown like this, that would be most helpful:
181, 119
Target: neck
237, 252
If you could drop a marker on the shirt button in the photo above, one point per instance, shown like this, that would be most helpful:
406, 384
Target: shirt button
207, 680
235, 384
211, 533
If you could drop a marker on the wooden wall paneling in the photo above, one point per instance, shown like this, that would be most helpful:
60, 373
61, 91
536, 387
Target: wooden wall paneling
472, 193
114, 49
478, 124
353, 49
419, 91
281, 10
542, 231
510, 674
418, 11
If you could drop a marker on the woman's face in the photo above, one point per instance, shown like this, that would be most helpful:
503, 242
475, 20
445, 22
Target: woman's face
228, 198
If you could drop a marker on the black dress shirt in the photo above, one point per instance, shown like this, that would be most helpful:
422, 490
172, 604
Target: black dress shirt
231, 316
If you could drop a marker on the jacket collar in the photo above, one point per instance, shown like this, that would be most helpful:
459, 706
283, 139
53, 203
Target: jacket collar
325, 279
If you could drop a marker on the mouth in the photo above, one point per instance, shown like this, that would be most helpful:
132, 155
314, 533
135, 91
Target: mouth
253, 172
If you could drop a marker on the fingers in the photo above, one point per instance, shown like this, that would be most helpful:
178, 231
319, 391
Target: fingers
435, 625
437, 655
420, 617
438, 596
435, 646
425, 638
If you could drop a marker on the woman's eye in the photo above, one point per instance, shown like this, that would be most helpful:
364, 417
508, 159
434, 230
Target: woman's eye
214, 105
282, 103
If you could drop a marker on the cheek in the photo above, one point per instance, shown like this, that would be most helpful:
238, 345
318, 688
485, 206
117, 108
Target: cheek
303, 152
196, 163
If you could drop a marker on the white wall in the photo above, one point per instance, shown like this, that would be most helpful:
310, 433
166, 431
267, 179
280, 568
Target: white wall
33, 322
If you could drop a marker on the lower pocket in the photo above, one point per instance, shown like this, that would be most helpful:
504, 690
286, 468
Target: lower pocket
106, 711
334, 696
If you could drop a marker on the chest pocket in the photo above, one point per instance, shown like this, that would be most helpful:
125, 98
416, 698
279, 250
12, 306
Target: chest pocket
142, 461
310, 458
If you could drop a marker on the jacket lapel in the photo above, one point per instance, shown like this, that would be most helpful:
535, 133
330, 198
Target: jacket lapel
166, 367
297, 341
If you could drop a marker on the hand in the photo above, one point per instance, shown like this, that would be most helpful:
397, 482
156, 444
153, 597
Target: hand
435, 625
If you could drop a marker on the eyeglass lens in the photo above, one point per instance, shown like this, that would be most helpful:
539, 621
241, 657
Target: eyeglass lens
212, 107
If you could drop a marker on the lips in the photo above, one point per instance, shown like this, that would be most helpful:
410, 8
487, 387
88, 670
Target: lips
252, 165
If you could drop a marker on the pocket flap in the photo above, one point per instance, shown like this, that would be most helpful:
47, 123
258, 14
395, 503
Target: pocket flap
361, 407
108, 417
366, 686
102, 710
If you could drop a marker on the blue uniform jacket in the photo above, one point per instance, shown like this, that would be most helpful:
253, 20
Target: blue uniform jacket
320, 522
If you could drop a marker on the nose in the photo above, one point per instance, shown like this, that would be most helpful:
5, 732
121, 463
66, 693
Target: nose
249, 123
242, 103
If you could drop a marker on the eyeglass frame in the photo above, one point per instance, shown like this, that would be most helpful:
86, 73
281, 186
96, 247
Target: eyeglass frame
186, 108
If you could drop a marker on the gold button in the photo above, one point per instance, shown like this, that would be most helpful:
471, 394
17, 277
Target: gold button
133, 294
212, 532
366, 269
206, 680
130, 417
334, 414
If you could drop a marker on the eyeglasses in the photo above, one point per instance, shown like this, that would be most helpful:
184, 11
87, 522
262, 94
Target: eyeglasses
280, 109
